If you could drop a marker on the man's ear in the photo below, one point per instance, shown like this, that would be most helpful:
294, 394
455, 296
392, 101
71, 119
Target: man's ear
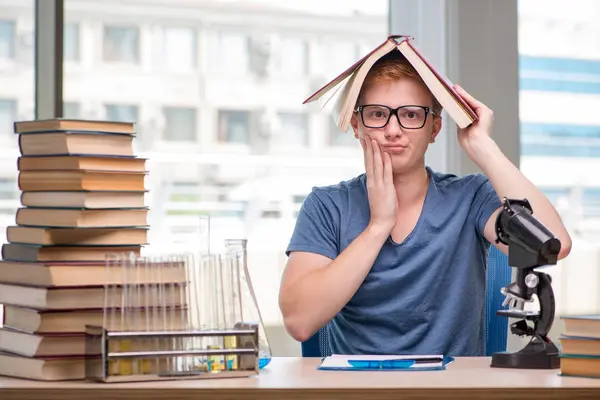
354, 124
437, 126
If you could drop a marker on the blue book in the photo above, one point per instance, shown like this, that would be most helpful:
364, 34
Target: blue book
339, 362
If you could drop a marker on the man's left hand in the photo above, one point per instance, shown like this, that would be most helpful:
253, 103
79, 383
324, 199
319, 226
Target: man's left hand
478, 130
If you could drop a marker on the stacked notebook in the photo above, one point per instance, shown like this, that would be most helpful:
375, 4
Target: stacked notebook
580, 346
83, 200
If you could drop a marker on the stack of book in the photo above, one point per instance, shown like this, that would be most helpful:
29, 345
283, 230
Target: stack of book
580, 346
83, 200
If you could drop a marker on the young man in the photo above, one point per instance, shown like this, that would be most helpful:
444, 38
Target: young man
394, 259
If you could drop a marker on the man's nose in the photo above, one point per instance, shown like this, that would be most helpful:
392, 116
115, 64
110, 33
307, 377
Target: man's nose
393, 129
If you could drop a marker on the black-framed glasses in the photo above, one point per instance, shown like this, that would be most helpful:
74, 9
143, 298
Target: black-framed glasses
378, 116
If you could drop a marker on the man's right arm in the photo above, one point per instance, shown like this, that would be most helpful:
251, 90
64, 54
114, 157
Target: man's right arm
317, 281
315, 288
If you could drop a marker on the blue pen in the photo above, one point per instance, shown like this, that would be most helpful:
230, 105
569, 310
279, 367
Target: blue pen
382, 364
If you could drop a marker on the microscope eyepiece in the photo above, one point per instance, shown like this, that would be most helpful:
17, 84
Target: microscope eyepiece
516, 225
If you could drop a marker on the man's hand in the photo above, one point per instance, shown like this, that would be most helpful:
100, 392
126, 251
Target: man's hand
314, 288
506, 178
480, 129
383, 201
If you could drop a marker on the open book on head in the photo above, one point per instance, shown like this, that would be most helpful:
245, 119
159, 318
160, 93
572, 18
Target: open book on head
339, 362
340, 95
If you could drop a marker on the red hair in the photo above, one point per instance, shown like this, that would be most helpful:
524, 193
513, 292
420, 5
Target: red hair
391, 68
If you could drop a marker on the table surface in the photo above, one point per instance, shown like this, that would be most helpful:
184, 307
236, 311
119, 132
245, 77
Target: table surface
298, 378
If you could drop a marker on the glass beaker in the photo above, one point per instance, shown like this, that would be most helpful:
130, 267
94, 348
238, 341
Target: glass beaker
250, 311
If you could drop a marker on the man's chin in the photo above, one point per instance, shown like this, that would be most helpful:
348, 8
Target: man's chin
402, 164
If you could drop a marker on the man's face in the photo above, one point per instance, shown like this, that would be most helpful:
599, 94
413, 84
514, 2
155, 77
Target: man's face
405, 144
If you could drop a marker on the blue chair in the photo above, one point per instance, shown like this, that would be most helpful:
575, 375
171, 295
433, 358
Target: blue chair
496, 328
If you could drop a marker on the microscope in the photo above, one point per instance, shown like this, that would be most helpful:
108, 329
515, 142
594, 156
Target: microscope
530, 246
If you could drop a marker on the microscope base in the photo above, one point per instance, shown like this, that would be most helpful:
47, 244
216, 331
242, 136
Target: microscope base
538, 354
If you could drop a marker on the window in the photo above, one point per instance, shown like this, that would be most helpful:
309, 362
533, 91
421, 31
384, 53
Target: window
559, 81
293, 56
234, 126
231, 53
293, 129
8, 115
71, 110
559, 74
180, 124
570, 140
121, 44
196, 72
71, 42
178, 48
7, 39
121, 112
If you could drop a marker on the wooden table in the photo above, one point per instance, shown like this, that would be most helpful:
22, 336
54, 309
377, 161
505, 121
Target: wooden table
297, 378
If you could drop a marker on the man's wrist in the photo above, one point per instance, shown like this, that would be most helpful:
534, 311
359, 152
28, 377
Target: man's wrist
378, 231
482, 150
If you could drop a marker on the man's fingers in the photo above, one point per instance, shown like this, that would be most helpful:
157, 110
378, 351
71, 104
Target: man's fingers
368, 157
377, 163
388, 176
472, 101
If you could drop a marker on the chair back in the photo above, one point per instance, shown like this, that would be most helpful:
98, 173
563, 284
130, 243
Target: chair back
496, 327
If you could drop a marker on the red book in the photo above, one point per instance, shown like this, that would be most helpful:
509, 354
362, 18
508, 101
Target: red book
344, 88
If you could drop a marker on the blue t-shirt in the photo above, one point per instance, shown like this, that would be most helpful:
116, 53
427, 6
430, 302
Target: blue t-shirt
425, 295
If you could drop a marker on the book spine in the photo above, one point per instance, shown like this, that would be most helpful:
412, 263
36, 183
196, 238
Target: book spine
20, 144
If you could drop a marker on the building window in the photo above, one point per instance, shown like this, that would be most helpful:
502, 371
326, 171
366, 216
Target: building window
71, 42
293, 56
293, 129
71, 109
121, 44
121, 112
8, 114
234, 126
178, 48
7, 39
232, 53
180, 124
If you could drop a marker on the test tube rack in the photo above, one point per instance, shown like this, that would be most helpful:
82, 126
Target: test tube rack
177, 316
170, 355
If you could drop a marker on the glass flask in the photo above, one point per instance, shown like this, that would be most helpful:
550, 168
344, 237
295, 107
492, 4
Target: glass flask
236, 262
